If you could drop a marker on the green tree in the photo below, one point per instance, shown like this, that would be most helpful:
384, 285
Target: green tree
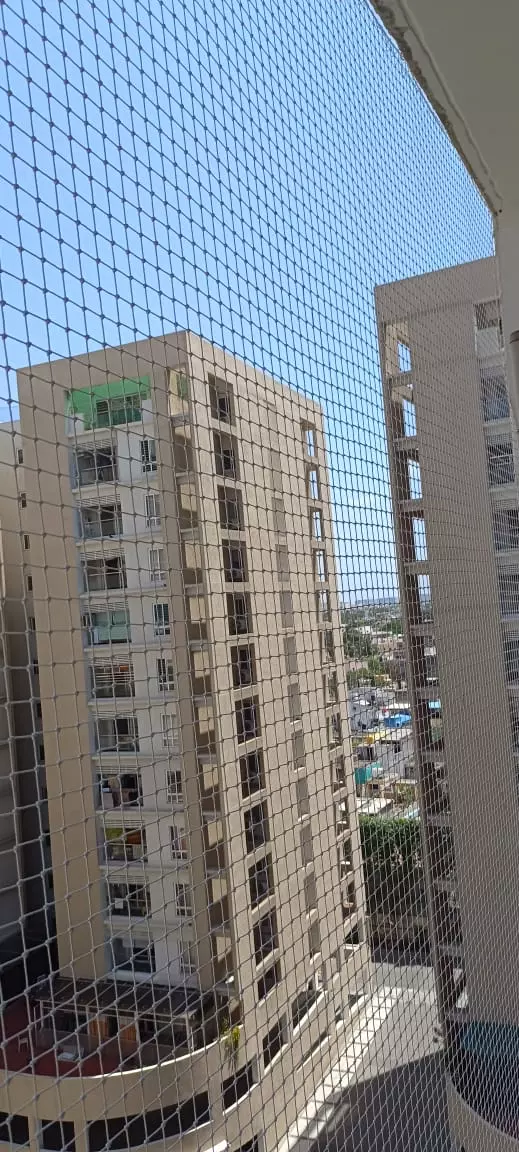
392, 861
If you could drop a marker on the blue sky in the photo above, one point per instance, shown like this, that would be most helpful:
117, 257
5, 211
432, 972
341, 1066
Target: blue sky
248, 169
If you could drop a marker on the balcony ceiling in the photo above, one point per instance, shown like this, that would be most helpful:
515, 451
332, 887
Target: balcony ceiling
465, 55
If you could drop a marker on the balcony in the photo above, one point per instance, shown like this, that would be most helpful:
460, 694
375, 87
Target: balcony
124, 791
95, 467
102, 628
128, 900
166, 1025
101, 523
125, 845
104, 575
112, 682
116, 742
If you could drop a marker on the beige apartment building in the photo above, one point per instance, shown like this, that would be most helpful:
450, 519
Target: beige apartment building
201, 807
454, 474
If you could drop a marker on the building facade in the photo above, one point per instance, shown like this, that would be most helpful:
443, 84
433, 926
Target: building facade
454, 467
201, 804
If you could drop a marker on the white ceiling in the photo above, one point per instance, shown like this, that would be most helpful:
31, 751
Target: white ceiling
465, 54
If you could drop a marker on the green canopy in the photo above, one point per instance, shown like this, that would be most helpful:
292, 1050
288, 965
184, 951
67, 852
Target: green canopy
83, 401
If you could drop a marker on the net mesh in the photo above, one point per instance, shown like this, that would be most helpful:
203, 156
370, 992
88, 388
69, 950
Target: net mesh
259, 593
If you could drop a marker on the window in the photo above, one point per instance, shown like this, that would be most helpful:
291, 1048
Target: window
404, 356
38, 709
165, 675
500, 459
509, 593
494, 396
152, 504
32, 623
316, 523
506, 529
334, 730
14, 1129
243, 670
35, 668
239, 613
313, 486
169, 728
161, 625
57, 1136
314, 940
265, 936
261, 883
256, 827
283, 563
157, 566
178, 843
303, 1003
23, 500
327, 647
294, 703
321, 574
298, 750
287, 609
274, 1041
95, 466
487, 315
26, 541
280, 520
117, 734
251, 771
135, 956
231, 509
247, 720
149, 455
225, 456
309, 439
234, 563
183, 903
102, 575
302, 798
29, 583
41, 752
237, 1086
324, 607
220, 397
175, 790
268, 981
19, 455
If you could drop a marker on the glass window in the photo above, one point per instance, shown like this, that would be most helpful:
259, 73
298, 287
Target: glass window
149, 455
152, 503
161, 623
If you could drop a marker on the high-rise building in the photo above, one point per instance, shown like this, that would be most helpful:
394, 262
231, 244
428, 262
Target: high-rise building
454, 474
207, 886
26, 918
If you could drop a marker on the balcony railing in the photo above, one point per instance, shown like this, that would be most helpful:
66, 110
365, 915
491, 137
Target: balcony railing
114, 743
103, 474
96, 529
113, 689
125, 795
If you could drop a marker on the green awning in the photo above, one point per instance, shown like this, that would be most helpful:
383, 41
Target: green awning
83, 401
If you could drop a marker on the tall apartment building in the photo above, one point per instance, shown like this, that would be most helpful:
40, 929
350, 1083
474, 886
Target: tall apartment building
454, 474
201, 807
26, 917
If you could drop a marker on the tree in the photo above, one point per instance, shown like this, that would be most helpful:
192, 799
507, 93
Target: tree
393, 864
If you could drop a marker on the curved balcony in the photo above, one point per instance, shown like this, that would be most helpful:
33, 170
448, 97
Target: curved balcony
108, 1075
481, 1061
473, 1131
